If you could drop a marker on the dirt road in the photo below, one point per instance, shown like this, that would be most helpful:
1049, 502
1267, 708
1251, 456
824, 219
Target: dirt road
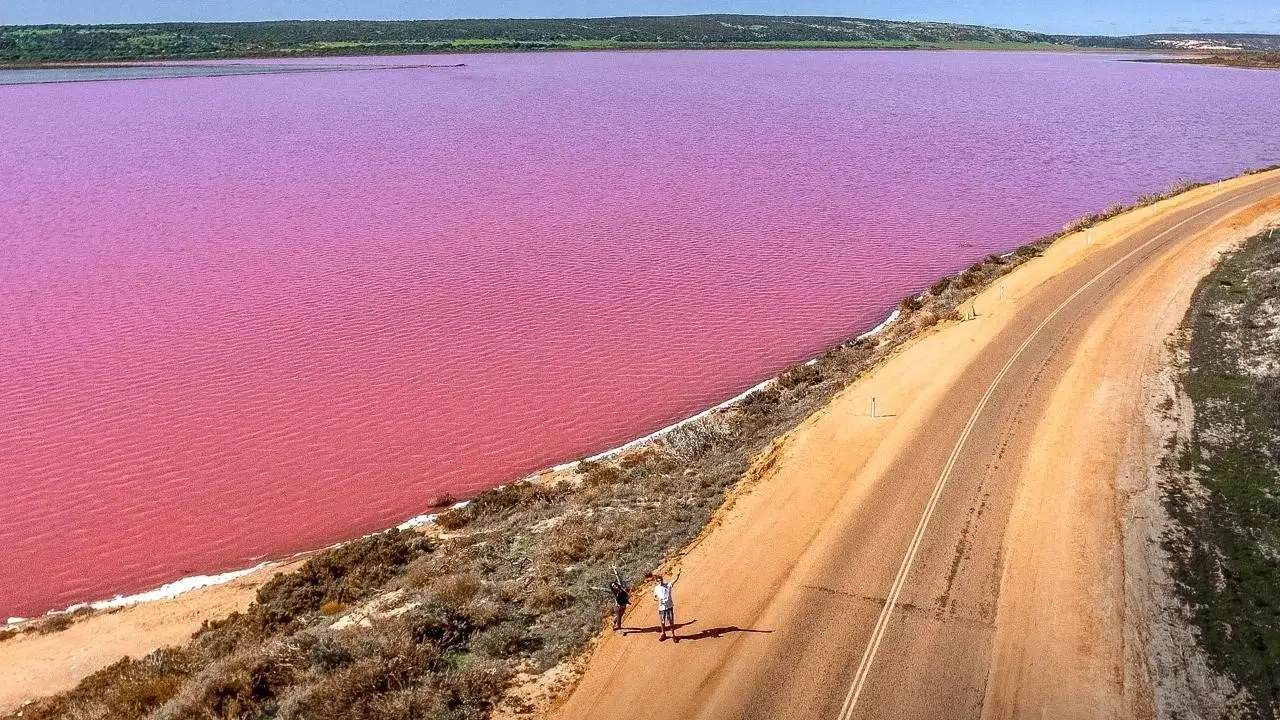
959, 556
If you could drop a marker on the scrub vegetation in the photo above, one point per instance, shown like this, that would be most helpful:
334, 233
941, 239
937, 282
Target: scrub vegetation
1183, 42
439, 624
1224, 487
1257, 60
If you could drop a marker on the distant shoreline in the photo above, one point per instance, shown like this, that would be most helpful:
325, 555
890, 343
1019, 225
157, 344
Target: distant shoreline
137, 42
1251, 61
153, 61
215, 70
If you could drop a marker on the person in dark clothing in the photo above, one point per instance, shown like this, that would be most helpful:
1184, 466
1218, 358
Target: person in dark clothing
621, 598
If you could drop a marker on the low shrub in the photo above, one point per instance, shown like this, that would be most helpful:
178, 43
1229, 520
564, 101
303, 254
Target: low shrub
499, 503
344, 574
444, 501
455, 590
761, 402
126, 689
502, 641
54, 623
326, 654
799, 376
544, 597
597, 474
333, 607
692, 441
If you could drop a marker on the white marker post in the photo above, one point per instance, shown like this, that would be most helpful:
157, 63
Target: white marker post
1088, 239
873, 408
1001, 292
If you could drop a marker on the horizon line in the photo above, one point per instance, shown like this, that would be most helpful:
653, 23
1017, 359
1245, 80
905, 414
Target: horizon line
642, 16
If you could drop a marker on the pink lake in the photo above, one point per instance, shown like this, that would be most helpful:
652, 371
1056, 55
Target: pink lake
251, 315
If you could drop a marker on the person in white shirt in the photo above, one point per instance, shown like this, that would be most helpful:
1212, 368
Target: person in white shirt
666, 606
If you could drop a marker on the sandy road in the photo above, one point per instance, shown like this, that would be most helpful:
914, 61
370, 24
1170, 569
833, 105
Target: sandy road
874, 571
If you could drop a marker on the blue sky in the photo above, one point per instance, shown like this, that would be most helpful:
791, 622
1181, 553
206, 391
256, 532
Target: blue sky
1104, 17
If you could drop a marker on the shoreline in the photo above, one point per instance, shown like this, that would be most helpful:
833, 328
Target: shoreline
643, 510
161, 60
1256, 60
184, 585
282, 69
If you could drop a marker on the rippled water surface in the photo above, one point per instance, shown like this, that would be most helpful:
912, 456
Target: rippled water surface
247, 315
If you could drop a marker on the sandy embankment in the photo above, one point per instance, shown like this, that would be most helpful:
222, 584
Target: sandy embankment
32, 665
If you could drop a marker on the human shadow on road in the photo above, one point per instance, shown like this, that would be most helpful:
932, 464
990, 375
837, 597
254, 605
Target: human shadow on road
712, 633
652, 628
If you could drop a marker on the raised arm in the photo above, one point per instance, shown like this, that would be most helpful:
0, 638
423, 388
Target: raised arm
618, 577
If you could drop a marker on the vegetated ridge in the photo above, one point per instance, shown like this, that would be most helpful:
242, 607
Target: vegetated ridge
440, 625
1196, 42
80, 43
1223, 487
288, 38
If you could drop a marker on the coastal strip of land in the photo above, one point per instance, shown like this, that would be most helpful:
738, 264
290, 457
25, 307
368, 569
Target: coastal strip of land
499, 594
963, 554
1250, 60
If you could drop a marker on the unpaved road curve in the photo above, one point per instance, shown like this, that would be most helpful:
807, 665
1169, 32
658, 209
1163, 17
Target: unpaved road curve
864, 575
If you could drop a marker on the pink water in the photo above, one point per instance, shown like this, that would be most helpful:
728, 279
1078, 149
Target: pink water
246, 316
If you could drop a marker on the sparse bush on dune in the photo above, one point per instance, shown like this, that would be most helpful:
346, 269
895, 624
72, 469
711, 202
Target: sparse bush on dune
239, 665
692, 441
127, 689
400, 625
457, 590
54, 623
444, 500
800, 375
1087, 221
597, 474
498, 503
332, 607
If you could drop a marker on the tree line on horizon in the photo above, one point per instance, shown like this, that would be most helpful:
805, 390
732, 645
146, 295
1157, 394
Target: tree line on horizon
63, 43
